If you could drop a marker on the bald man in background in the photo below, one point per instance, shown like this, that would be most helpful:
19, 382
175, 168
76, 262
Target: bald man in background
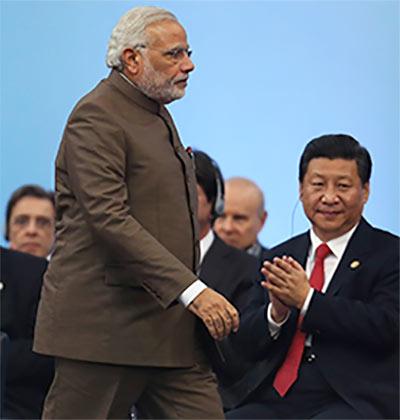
244, 216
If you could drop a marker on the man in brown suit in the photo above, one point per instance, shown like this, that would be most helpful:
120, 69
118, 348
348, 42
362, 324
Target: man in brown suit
120, 295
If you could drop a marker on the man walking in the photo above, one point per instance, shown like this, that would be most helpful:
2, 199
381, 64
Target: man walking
120, 292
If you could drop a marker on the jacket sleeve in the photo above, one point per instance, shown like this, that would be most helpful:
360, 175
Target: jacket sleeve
96, 157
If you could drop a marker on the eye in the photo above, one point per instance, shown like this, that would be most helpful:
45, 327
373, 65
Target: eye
343, 186
178, 53
317, 184
21, 220
43, 222
239, 218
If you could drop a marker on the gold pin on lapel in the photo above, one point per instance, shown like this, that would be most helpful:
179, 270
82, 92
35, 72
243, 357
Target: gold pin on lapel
354, 264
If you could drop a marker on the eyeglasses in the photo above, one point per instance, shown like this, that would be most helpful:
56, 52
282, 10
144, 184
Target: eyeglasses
175, 54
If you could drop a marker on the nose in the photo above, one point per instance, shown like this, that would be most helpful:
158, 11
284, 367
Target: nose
330, 196
31, 228
187, 64
227, 225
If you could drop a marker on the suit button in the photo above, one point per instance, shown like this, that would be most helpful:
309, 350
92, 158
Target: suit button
311, 358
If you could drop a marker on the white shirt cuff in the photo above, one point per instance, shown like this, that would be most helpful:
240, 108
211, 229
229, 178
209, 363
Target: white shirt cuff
274, 327
189, 294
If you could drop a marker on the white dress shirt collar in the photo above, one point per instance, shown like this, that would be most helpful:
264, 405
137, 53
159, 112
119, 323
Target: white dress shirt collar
205, 244
337, 245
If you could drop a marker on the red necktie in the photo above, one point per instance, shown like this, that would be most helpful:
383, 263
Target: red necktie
287, 373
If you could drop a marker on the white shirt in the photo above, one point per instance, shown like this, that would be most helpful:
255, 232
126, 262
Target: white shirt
189, 294
198, 286
331, 262
206, 243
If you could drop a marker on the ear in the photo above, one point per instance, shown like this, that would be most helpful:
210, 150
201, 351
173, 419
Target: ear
365, 192
264, 217
301, 191
132, 61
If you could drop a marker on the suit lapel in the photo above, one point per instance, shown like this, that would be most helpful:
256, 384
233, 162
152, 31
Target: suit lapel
211, 267
353, 257
299, 249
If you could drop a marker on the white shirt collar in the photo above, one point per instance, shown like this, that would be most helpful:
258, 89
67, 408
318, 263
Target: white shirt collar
205, 244
337, 245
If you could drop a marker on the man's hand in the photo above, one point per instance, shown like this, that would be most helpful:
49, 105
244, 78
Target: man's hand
279, 310
219, 316
287, 281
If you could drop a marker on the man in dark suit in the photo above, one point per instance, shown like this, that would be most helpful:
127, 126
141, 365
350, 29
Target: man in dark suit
26, 375
120, 297
326, 318
227, 270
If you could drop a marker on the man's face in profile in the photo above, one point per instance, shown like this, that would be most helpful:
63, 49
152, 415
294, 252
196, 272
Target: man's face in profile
31, 226
165, 62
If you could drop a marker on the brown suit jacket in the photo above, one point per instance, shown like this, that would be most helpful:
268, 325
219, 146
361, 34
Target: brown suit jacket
126, 236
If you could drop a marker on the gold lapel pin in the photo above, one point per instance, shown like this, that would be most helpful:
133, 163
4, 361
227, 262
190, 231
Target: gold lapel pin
354, 264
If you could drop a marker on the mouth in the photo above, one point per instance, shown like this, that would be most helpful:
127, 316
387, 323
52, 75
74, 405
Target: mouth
329, 214
182, 83
31, 245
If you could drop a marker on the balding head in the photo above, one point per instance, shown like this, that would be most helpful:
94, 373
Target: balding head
244, 214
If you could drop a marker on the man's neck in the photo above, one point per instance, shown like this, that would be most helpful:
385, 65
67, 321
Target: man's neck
204, 230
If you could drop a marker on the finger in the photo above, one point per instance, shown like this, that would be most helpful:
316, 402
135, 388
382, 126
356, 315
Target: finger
273, 268
228, 323
208, 322
234, 318
295, 264
223, 324
264, 272
276, 280
284, 264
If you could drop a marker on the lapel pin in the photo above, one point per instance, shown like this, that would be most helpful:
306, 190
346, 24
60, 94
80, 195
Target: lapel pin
354, 264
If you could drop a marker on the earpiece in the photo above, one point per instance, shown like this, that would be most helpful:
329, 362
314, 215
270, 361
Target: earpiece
219, 204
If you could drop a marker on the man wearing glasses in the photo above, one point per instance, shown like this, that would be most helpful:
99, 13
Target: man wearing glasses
120, 298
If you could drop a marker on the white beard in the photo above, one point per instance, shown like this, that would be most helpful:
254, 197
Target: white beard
156, 86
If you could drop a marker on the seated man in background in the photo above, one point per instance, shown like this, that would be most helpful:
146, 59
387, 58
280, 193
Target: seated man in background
227, 270
326, 318
243, 217
30, 220
26, 376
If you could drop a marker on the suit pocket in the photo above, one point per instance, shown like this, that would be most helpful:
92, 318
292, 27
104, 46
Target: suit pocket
121, 275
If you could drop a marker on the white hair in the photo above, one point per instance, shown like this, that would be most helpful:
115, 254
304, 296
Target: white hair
129, 32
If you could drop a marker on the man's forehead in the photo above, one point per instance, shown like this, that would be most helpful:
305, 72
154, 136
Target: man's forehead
240, 208
32, 206
165, 31
339, 167
242, 197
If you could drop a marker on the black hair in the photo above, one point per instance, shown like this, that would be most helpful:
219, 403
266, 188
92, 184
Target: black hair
29, 190
337, 146
209, 177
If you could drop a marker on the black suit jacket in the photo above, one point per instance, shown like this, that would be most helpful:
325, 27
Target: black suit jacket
27, 375
355, 324
229, 271
232, 273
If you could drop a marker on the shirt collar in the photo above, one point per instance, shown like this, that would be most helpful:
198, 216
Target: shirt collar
336, 245
206, 243
255, 249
